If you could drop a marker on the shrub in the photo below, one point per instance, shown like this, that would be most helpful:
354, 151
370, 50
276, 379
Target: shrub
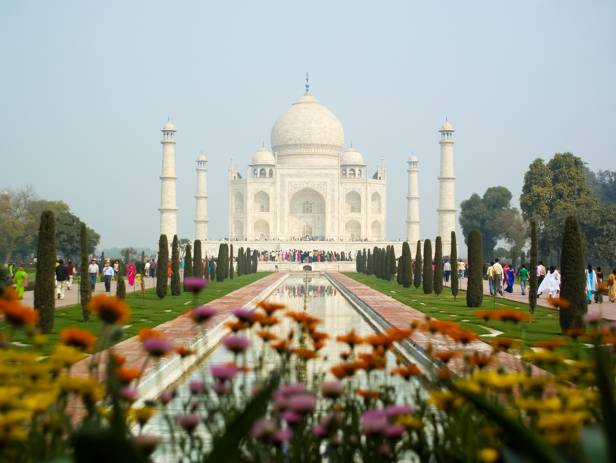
406, 273
197, 260
573, 277
176, 287
417, 271
84, 278
438, 266
221, 263
532, 277
474, 289
121, 285
231, 269
162, 281
44, 287
427, 267
188, 263
453, 255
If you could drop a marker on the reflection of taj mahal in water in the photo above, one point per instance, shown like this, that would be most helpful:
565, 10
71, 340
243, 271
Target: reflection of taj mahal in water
308, 186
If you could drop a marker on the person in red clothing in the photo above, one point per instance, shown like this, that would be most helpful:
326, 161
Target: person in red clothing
70, 269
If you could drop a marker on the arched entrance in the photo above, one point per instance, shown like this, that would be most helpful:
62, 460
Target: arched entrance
307, 215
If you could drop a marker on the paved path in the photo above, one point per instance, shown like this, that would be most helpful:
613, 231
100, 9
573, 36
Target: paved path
606, 309
400, 315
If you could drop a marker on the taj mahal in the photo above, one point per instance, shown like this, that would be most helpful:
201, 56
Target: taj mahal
308, 188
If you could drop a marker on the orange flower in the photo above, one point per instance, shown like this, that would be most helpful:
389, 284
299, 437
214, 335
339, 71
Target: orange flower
485, 315
270, 307
551, 344
575, 332
303, 317
281, 346
407, 371
318, 336
10, 294
148, 333
266, 320
463, 336
305, 354
503, 344
347, 369
415, 323
126, 375
559, 302
184, 351
345, 355
351, 338
266, 335
78, 338
504, 315
372, 361
480, 360
445, 355
110, 309
443, 373
18, 315
439, 326
318, 345
368, 393
118, 359
236, 326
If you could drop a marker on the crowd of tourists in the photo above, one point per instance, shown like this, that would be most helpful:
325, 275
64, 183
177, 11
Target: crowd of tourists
298, 255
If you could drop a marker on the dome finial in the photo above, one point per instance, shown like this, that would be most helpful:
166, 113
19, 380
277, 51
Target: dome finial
307, 83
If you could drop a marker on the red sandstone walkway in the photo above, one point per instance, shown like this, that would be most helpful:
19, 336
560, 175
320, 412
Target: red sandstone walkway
400, 315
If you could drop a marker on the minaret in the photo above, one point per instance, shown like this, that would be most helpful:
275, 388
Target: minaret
412, 203
168, 209
201, 197
447, 185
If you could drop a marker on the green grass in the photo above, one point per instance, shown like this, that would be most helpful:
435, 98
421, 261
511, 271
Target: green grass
543, 326
147, 311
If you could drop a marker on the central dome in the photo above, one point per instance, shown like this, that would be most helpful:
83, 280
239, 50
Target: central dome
307, 127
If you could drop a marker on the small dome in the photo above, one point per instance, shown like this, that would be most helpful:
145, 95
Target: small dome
413, 158
263, 156
201, 156
351, 157
169, 126
447, 127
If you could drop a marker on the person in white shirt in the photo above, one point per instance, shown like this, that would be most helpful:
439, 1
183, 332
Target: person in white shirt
447, 271
108, 274
461, 269
497, 268
93, 273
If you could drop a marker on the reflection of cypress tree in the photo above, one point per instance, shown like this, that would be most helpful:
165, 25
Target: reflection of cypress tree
404, 269
198, 260
427, 267
161, 267
231, 271
573, 277
532, 280
474, 287
453, 255
188, 263
44, 286
438, 269
176, 288
84, 278
418, 266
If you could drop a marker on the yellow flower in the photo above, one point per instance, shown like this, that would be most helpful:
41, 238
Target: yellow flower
40, 402
468, 386
88, 389
487, 455
410, 422
9, 397
543, 356
65, 356
445, 400
13, 426
142, 414
538, 405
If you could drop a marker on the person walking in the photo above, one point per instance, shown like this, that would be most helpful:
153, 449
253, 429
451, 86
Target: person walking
551, 283
461, 269
591, 283
70, 270
523, 274
61, 279
108, 274
447, 270
93, 271
490, 275
540, 273
611, 286
598, 293
21, 281
499, 274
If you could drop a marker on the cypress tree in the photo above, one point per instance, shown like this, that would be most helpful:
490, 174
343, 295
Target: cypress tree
453, 254
364, 261
386, 266
427, 268
121, 284
438, 269
532, 277
474, 288
44, 286
358, 262
400, 269
197, 260
220, 266
393, 267
255, 261
142, 266
84, 278
188, 263
369, 263
161, 267
406, 264
573, 277
240, 265
418, 266
176, 288
248, 261
377, 262
231, 270
226, 259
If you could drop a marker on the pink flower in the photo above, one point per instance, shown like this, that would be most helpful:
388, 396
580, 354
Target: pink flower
393, 411
332, 389
393, 431
373, 422
236, 344
129, 394
224, 372
202, 314
168, 396
291, 417
263, 428
222, 388
188, 422
195, 284
157, 347
320, 431
302, 403
196, 387
244, 315
282, 436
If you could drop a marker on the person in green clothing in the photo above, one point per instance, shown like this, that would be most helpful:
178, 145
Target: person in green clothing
523, 274
21, 281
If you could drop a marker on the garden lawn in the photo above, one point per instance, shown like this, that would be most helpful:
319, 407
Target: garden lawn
543, 326
147, 311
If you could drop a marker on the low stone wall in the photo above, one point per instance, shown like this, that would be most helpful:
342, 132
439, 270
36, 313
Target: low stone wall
211, 247
341, 266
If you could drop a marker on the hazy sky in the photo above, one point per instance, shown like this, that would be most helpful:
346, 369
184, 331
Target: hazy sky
86, 86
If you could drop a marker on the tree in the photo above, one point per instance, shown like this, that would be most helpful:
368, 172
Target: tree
418, 270
221, 263
358, 262
44, 287
603, 185
532, 280
427, 267
255, 261
188, 262
405, 263
17, 224
197, 260
176, 288
240, 262
248, 264
573, 277
84, 278
387, 255
474, 288
438, 266
231, 262
364, 261
453, 255
121, 285
161, 267
392, 261
369, 264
